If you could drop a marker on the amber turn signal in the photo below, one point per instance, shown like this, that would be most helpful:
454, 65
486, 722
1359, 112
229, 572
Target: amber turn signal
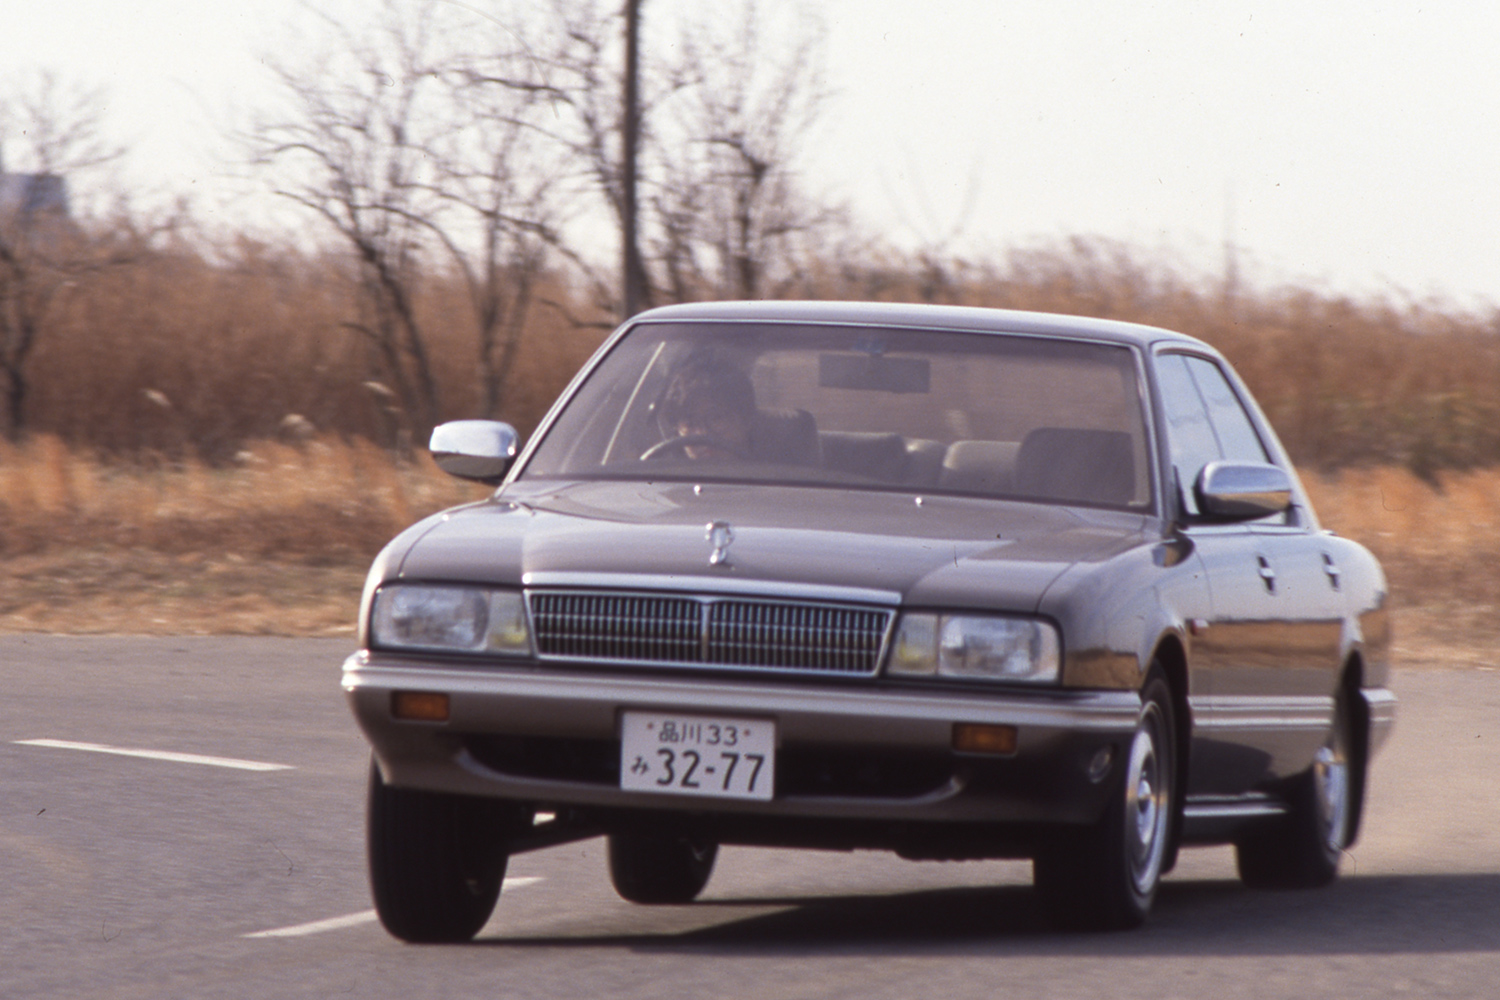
972, 737
419, 706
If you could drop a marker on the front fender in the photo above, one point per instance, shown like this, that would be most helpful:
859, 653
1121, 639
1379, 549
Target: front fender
1115, 614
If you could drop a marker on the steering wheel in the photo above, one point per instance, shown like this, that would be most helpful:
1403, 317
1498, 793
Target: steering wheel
680, 445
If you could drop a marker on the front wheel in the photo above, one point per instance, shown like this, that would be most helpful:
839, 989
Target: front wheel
1105, 877
436, 860
651, 868
1303, 848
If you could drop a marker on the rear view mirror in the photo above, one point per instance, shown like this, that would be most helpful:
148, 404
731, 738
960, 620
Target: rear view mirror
874, 373
1242, 491
481, 450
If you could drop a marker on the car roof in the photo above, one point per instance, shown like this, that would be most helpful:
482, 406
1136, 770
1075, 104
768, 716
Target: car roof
912, 315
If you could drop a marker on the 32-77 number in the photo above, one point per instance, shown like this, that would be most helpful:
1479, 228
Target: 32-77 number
687, 769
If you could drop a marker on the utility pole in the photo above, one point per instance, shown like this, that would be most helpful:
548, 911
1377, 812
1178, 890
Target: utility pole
1231, 255
636, 293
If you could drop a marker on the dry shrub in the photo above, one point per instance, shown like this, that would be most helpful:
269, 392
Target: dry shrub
191, 356
40, 480
1440, 547
1345, 382
192, 353
1440, 544
330, 500
324, 501
278, 541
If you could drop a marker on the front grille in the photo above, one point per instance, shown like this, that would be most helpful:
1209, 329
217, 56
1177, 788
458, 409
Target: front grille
618, 627
745, 633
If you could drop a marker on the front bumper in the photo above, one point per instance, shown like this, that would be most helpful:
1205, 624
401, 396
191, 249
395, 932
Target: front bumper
544, 735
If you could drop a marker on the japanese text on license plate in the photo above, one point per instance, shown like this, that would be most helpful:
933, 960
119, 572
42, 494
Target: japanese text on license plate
711, 756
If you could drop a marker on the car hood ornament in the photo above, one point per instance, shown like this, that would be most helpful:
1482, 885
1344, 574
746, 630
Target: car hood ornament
720, 537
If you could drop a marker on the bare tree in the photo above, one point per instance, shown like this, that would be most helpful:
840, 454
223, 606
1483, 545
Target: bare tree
420, 168
44, 248
499, 203
350, 150
723, 113
450, 142
729, 204
573, 70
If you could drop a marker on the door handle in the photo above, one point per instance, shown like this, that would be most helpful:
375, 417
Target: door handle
1267, 574
1335, 575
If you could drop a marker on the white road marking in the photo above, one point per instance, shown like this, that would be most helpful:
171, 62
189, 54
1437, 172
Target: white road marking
167, 755
356, 919
518, 881
317, 926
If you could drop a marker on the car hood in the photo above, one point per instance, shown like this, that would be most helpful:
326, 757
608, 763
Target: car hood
857, 545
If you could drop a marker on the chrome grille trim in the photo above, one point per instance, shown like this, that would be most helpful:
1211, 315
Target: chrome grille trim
636, 627
737, 633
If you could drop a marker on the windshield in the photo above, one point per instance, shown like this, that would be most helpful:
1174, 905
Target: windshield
912, 410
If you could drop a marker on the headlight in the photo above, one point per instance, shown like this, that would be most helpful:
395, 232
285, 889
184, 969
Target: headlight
978, 647
463, 619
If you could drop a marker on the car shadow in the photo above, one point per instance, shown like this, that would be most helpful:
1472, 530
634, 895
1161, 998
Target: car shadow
1439, 913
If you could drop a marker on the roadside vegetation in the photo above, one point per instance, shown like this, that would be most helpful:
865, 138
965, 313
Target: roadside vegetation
202, 431
191, 352
210, 443
277, 541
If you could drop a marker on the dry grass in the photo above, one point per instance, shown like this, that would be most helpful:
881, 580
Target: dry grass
1440, 545
278, 543
118, 591
194, 354
162, 485
195, 351
323, 501
1346, 382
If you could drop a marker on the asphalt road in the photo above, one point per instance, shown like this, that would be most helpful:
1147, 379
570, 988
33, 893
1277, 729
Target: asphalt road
159, 876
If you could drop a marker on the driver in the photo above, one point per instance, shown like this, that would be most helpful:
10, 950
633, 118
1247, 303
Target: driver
710, 404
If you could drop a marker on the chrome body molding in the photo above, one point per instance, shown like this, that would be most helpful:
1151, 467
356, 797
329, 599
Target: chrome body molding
1208, 809
1301, 713
1380, 709
709, 586
1310, 712
1216, 819
893, 706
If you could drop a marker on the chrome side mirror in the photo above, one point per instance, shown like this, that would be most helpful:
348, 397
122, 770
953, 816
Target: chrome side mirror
1242, 491
474, 449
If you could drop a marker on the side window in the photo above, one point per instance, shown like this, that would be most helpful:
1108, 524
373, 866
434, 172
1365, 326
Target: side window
1192, 440
1238, 441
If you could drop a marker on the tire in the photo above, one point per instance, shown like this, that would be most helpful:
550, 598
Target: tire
1302, 849
436, 861
1105, 877
656, 869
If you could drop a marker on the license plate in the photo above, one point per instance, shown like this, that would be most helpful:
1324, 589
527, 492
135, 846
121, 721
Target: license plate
707, 755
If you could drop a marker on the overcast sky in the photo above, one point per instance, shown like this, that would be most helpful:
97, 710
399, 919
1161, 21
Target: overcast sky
1348, 146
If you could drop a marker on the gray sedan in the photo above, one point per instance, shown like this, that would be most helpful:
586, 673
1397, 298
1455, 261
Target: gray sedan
953, 583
